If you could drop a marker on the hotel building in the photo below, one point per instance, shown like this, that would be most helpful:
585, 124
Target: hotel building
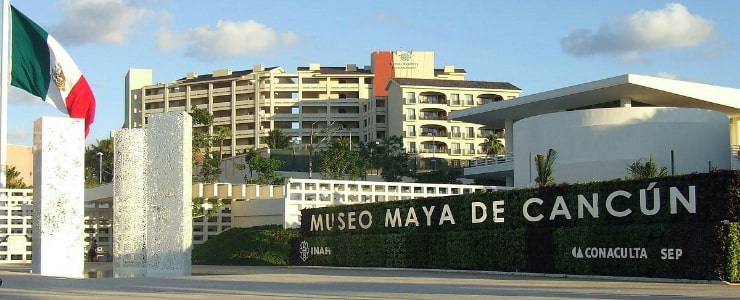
401, 93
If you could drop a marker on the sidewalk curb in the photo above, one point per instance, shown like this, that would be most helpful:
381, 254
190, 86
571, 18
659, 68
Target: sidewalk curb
525, 274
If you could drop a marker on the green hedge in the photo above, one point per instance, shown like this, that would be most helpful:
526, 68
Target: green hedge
709, 238
255, 246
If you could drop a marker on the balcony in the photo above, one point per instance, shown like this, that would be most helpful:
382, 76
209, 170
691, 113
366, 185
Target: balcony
432, 100
433, 117
492, 160
441, 150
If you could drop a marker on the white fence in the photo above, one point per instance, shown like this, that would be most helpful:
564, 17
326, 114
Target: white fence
313, 193
16, 213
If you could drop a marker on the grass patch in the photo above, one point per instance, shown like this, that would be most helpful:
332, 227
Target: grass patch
255, 246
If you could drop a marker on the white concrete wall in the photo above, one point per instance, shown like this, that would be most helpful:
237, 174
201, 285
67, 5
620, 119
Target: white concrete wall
597, 144
256, 212
58, 197
130, 213
169, 195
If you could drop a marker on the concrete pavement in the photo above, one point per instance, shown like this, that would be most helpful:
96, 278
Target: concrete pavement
236, 282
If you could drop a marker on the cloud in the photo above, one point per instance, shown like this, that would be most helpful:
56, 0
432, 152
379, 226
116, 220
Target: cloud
226, 39
98, 21
19, 136
668, 28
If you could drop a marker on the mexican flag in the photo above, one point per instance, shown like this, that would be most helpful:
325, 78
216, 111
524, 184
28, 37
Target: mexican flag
40, 66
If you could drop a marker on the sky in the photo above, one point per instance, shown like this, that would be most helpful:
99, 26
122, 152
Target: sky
536, 45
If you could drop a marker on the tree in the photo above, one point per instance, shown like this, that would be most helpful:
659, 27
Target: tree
648, 169
544, 167
12, 179
393, 159
206, 162
338, 161
220, 134
447, 176
277, 140
493, 145
95, 162
264, 167
206, 208
315, 142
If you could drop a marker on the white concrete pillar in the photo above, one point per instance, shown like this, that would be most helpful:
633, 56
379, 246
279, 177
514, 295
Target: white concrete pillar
509, 138
169, 195
129, 203
58, 197
734, 131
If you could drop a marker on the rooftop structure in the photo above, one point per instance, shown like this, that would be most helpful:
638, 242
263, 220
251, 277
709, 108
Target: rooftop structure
598, 127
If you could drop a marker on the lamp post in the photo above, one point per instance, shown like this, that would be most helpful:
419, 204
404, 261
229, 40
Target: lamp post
258, 127
100, 167
310, 152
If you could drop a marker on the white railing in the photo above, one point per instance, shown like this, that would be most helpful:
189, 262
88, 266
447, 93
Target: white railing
313, 193
16, 209
492, 160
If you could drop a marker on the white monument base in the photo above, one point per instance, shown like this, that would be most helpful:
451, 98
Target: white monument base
129, 196
58, 197
169, 234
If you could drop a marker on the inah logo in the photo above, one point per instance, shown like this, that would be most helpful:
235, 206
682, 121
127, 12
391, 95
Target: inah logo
304, 250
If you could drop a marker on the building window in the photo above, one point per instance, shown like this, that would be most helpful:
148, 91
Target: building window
410, 114
295, 125
469, 99
410, 130
410, 97
455, 163
455, 131
295, 110
455, 99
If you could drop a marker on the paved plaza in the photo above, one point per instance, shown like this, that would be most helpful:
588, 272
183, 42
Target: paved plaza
235, 282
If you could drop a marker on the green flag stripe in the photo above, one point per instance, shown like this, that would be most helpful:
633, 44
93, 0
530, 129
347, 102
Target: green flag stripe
29, 56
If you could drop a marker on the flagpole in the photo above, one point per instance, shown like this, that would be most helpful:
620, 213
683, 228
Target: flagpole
4, 86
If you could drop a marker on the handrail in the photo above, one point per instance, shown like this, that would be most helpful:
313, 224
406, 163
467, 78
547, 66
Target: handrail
492, 160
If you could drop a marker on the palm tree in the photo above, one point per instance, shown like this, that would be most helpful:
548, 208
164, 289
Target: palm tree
95, 163
276, 139
220, 134
649, 169
493, 145
544, 167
